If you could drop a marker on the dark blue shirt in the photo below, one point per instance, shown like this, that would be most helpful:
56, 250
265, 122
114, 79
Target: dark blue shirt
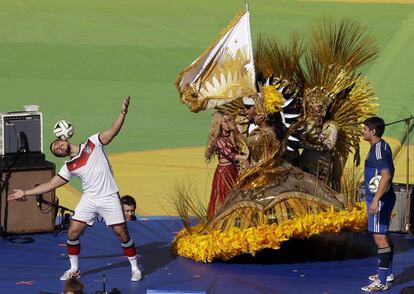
379, 158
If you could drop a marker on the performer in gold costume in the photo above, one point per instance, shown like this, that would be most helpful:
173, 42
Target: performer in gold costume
319, 138
262, 140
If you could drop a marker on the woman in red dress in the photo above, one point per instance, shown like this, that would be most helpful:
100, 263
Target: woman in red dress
223, 141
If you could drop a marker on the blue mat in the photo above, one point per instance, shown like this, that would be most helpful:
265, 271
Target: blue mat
324, 264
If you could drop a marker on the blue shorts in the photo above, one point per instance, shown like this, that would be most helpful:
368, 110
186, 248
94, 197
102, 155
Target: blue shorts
379, 223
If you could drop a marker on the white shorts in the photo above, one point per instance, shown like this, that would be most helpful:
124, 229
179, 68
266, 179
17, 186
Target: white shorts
109, 207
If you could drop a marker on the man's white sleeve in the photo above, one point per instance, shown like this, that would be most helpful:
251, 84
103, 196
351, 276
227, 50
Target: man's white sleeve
64, 173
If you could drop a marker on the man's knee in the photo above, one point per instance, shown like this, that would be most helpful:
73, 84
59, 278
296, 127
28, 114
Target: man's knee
75, 230
381, 240
73, 235
121, 232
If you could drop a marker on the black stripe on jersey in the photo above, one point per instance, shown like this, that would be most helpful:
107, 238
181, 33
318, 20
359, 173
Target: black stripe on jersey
62, 178
99, 139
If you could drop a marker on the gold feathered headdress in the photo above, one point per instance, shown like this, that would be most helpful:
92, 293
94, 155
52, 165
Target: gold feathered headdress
268, 101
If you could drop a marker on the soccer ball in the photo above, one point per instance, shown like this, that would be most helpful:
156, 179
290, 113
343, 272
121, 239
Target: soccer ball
63, 130
374, 183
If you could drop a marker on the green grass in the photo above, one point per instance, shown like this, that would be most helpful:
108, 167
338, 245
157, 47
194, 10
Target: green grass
78, 59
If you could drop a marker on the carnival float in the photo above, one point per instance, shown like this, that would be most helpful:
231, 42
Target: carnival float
309, 100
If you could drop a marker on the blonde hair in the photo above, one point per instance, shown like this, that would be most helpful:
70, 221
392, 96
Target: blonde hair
215, 132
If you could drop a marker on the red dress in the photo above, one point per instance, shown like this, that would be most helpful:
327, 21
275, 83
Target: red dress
225, 174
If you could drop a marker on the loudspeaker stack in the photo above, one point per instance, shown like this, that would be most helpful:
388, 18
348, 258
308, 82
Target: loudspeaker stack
23, 166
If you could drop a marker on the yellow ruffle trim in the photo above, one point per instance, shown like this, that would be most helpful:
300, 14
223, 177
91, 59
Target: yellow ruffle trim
233, 242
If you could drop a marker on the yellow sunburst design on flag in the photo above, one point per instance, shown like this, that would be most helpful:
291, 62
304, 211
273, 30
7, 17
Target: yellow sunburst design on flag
224, 72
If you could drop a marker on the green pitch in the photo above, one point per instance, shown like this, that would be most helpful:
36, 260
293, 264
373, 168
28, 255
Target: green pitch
79, 59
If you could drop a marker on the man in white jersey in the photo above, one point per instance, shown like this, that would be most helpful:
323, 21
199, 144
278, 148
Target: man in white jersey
100, 196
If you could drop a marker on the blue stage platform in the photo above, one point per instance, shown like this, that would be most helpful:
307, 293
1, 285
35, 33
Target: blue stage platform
324, 264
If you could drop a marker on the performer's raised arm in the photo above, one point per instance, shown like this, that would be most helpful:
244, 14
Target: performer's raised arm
106, 136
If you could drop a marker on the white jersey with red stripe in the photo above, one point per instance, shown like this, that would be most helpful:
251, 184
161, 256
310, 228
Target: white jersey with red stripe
91, 165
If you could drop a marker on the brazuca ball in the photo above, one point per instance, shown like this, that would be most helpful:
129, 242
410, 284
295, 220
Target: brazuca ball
374, 183
63, 130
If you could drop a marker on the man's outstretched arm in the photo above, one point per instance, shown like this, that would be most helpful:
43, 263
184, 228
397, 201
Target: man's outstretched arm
54, 183
106, 136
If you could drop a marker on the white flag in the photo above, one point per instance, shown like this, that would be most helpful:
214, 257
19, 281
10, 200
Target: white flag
224, 72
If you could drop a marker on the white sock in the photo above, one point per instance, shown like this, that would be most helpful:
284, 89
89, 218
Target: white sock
74, 259
133, 262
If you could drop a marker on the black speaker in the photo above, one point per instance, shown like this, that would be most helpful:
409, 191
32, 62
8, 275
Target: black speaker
403, 209
26, 215
21, 132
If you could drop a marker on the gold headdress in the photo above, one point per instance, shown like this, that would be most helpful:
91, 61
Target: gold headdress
269, 101
318, 97
337, 49
279, 63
